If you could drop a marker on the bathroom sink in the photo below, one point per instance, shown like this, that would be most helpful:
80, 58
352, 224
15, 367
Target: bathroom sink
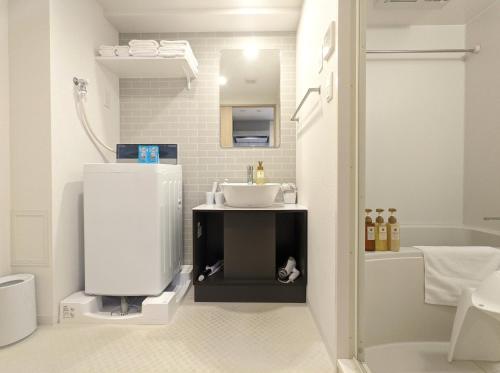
250, 195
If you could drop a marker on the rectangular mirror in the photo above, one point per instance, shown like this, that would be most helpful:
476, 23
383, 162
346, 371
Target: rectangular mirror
249, 93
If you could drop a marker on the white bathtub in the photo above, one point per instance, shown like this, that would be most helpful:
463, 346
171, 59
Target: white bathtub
393, 308
399, 332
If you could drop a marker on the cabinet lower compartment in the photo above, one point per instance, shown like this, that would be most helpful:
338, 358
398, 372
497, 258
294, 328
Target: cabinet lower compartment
253, 245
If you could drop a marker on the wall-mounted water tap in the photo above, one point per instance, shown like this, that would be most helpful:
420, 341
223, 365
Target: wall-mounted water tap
81, 85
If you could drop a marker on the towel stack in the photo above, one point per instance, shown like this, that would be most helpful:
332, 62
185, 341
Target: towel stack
107, 51
143, 48
178, 48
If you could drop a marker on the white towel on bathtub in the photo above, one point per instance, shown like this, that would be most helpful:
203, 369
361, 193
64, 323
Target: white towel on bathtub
449, 269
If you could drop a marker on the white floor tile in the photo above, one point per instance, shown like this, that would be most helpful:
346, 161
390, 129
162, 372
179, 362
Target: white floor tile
203, 337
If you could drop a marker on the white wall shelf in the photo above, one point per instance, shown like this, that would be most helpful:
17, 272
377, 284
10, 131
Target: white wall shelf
149, 67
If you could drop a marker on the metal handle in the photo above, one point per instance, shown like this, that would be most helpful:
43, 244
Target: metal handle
487, 218
309, 91
475, 50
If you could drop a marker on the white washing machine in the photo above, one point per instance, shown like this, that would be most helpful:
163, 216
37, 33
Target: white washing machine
133, 228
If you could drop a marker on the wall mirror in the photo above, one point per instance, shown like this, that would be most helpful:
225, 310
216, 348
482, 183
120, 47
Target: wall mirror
249, 93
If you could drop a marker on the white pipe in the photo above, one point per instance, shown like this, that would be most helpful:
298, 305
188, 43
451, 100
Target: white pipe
81, 91
93, 136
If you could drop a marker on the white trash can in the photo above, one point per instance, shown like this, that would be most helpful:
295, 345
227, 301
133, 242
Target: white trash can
17, 308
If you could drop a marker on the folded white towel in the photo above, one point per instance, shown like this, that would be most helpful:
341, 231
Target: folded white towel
143, 43
122, 50
107, 52
449, 269
143, 52
106, 47
174, 49
169, 43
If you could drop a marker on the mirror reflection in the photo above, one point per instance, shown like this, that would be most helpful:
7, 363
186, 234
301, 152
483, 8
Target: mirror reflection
249, 95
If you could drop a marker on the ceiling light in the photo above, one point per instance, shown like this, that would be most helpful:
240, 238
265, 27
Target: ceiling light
251, 52
222, 80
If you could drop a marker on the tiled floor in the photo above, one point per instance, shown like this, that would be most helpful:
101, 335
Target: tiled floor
421, 357
210, 337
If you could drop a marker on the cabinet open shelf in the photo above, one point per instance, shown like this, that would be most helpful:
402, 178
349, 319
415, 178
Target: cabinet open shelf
253, 244
149, 67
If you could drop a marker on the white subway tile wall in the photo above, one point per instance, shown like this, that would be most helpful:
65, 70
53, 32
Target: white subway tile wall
165, 111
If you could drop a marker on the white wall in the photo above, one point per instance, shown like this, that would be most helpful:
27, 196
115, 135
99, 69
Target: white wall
77, 28
29, 53
415, 125
50, 42
4, 142
323, 174
482, 128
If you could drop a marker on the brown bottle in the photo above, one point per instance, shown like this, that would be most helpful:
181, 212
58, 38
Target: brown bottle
369, 232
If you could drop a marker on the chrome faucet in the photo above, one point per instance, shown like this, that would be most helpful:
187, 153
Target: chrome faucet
250, 175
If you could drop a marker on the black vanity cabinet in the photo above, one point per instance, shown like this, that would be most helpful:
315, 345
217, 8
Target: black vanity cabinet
253, 243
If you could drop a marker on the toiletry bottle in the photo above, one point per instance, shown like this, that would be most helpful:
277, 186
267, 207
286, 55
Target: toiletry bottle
369, 232
260, 174
380, 232
393, 240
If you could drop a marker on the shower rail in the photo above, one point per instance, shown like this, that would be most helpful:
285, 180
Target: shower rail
309, 91
475, 50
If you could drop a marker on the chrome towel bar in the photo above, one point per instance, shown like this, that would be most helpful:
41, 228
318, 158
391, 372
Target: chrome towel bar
309, 91
476, 50
488, 218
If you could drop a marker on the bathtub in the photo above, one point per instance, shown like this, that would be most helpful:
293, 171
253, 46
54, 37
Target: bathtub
392, 311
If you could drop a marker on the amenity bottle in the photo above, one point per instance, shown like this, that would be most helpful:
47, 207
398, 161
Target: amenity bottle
369, 231
260, 179
393, 240
380, 232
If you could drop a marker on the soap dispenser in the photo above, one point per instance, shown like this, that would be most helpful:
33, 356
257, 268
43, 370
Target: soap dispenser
260, 179
393, 241
369, 231
380, 232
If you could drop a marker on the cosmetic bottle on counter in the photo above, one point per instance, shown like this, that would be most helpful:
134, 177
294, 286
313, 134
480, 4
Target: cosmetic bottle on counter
380, 232
393, 241
369, 231
260, 179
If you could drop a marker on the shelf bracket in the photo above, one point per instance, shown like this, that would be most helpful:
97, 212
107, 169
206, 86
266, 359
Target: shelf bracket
188, 78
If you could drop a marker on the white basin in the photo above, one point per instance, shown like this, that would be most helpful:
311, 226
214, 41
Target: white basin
250, 195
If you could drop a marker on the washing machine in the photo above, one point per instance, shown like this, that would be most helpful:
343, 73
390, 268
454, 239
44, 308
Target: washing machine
133, 228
